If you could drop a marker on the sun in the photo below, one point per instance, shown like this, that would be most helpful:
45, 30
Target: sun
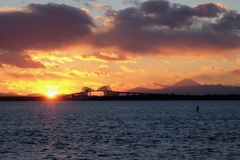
51, 93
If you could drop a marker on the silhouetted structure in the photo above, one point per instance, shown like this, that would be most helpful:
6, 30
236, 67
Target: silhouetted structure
85, 94
197, 108
109, 94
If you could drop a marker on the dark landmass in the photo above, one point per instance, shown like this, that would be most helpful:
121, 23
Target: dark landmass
127, 98
163, 97
23, 98
193, 90
190, 87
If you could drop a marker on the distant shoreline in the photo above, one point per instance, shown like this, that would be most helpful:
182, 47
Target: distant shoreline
124, 98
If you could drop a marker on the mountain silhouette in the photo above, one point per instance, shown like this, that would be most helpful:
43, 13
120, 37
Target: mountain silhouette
8, 94
186, 82
190, 87
143, 90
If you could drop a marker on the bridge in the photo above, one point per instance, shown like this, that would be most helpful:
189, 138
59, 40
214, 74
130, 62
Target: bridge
86, 92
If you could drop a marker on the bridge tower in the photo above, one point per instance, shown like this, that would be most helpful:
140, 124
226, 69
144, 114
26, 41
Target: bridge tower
87, 91
107, 90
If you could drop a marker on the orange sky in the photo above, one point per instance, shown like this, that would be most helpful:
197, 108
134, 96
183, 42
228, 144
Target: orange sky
151, 44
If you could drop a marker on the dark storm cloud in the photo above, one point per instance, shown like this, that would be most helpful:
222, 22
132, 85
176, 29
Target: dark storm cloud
156, 6
163, 13
209, 10
42, 27
230, 22
158, 26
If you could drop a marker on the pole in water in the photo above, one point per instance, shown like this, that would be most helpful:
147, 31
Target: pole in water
197, 108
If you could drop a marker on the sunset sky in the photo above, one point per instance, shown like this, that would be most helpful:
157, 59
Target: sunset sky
64, 45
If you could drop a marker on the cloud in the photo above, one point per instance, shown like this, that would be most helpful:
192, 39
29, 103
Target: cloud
229, 23
128, 70
59, 57
103, 66
42, 27
106, 56
166, 62
212, 68
142, 70
159, 27
18, 59
33, 75
98, 18
168, 70
153, 27
162, 12
85, 74
54, 76
102, 6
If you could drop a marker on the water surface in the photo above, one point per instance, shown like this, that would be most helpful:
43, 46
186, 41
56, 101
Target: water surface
120, 130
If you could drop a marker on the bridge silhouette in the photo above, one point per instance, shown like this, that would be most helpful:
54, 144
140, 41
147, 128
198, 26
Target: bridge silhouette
86, 92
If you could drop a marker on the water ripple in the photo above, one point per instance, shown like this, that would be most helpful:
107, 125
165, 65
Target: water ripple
120, 130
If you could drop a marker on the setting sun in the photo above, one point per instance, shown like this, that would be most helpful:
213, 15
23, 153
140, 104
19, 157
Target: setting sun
51, 93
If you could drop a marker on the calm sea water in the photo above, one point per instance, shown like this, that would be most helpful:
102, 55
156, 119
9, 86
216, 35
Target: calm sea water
120, 130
